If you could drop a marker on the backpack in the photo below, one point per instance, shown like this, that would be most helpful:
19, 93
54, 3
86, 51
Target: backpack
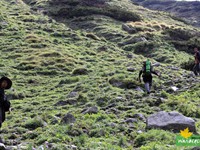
198, 56
147, 67
6, 104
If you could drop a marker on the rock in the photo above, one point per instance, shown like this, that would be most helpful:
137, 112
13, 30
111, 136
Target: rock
74, 147
91, 110
2, 146
130, 69
139, 39
102, 48
122, 83
174, 88
140, 116
130, 120
130, 56
1, 140
196, 148
139, 132
113, 125
73, 94
71, 147
157, 64
80, 71
129, 29
66, 102
133, 40
68, 118
162, 100
139, 89
170, 121
55, 120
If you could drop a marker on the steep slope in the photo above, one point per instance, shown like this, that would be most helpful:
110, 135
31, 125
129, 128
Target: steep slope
62, 63
187, 10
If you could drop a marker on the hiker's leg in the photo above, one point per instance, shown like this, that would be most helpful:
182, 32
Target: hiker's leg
146, 83
195, 69
150, 82
1, 117
198, 68
147, 87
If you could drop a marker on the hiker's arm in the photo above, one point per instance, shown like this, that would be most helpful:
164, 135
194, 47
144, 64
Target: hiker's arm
155, 73
139, 78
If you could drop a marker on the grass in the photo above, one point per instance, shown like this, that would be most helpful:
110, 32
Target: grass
50, 59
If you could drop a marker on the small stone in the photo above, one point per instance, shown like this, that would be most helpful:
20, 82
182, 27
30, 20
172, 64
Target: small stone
130, 69
139, 89
139, 132
174, 88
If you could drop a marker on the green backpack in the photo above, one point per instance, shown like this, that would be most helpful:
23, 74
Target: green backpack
148, 67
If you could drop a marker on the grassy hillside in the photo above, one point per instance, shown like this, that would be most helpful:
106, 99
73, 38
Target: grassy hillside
67, 56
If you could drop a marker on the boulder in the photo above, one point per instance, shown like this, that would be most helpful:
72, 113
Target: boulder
170, 121
66, 102
157, 64
127, 84
80, 71
91, 110
130, 56
2, 146
129, 29
68, 118
131, 69
139, 89
140, 117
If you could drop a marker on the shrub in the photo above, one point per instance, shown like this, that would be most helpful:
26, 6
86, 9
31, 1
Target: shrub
188, 65
34, 123
164, 137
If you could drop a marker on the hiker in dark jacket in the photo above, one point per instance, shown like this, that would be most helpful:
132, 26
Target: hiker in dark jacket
5, 83
196, 67
146, 73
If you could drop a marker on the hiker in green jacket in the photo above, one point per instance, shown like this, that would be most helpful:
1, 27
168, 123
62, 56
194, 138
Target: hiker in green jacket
146, 73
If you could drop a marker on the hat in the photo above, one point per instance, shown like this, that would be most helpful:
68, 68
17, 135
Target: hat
9, 82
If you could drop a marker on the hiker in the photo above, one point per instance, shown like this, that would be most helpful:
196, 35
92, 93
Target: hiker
5, 83
196, 67
146, 72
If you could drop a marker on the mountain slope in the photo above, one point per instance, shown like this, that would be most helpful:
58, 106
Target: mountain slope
62, 63
189, 11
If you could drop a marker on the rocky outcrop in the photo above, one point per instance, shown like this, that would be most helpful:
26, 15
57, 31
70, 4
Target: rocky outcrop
170, 121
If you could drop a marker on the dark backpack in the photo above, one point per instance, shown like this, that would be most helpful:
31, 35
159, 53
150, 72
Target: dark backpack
6, 104
198, 56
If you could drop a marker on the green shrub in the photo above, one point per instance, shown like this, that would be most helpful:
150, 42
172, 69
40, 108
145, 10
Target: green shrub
34, 123
164, 137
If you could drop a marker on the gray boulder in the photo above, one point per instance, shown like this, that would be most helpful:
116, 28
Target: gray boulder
170, 121
91, 110
129, 29
2, 146
68, 118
